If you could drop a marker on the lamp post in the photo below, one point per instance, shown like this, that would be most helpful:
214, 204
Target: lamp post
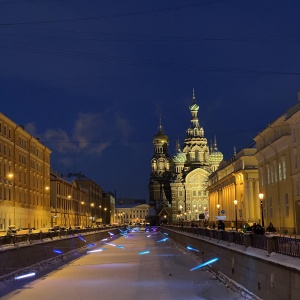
235, 208
105, 209
92, 212
12, 177
218, 207
100, 212
261, 197
81, 221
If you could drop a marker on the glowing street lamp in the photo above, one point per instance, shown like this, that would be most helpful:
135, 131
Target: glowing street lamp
261, 198
105, 209
218, 207
235, 208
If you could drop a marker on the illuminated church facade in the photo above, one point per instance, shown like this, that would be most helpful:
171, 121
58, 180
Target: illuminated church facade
178, 183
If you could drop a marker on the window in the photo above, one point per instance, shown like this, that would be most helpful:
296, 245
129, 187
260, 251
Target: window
279, 171
270, 208
275, 172
283, 168
272, 174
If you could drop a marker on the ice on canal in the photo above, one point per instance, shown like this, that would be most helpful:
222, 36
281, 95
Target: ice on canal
136, 265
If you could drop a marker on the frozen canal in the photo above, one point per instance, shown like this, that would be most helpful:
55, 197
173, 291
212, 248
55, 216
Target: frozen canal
141, 265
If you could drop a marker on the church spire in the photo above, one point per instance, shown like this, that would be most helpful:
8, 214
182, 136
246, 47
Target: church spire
160, 127
177, 145
215, 144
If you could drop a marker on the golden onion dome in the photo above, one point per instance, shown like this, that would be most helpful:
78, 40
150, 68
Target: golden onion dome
160, 138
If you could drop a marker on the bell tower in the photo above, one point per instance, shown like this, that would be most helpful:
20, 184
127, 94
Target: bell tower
161, 164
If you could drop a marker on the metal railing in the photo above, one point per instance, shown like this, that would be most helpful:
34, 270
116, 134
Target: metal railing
15, 238
271, 243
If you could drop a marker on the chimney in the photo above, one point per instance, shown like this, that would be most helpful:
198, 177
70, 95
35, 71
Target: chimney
299, 95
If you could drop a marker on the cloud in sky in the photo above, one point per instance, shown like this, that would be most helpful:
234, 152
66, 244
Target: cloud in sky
92, 133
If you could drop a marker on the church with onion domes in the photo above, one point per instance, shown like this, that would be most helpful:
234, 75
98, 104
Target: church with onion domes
177, 185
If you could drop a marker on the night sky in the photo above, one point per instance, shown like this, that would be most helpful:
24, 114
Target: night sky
91, 78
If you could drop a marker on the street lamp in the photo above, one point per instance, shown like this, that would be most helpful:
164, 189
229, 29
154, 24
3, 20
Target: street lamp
235, 208
261, 197
13, 195
218, 207
105, 214
92, 212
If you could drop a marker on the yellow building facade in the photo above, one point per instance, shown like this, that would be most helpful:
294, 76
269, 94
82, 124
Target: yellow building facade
24, 178
278, 148
235, 179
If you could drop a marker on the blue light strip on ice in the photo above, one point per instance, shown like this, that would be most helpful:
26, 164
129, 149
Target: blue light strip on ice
204, 264
25, 276
191, 248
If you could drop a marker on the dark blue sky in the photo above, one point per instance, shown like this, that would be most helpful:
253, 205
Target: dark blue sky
90, 78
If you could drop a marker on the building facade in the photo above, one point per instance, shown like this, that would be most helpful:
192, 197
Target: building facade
236, 179
94, 203
24, 178
109, 210
132, 214
68, 203
178, 184
277, 154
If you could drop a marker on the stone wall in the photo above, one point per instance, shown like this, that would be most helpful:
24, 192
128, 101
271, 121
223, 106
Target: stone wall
24, 255
273, 276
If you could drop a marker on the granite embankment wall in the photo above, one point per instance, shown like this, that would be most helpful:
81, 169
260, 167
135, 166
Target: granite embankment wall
24, 255
273, 276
